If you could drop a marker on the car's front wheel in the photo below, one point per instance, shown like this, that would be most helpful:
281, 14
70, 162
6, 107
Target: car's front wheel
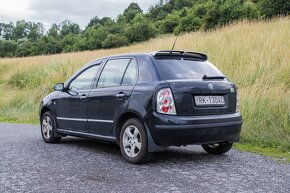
48, 128
133, 142
217, 148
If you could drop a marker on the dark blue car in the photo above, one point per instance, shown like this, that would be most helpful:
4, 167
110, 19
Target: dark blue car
145, 103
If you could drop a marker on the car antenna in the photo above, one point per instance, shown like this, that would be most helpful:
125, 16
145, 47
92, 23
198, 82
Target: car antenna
174, 43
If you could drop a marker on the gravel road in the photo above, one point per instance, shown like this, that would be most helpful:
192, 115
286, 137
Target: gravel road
27, 164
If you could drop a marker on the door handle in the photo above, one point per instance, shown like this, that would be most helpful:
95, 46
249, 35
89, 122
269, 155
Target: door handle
83, 97
120, 95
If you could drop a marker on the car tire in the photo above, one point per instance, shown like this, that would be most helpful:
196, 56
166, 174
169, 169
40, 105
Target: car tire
218, 148
134, 143
48, 128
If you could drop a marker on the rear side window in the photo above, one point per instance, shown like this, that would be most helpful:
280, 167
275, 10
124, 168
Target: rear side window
180, 68
113, 72
131, 74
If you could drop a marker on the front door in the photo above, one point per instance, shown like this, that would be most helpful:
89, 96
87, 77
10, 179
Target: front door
111, 94
72, 105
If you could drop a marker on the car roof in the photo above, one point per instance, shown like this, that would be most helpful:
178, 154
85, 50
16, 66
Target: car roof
118, 56
154, 54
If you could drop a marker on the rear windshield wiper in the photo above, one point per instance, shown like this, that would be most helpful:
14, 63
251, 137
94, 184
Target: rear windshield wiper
205, 77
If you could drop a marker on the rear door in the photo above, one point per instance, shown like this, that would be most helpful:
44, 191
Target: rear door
71, 105
111, 94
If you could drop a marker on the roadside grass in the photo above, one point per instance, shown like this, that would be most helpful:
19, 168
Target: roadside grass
254, 55
277, 154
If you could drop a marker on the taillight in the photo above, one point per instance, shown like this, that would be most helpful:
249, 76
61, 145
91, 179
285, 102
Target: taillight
165, 102
238, 104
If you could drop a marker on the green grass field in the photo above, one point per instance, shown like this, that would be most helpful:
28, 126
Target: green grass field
254, 55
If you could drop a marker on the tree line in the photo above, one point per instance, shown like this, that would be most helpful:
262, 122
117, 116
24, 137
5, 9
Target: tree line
172, 16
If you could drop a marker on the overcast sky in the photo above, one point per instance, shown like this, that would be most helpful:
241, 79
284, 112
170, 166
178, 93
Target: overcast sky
56, 11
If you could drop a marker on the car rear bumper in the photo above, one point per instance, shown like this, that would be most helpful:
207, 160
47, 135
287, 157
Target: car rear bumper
168, 130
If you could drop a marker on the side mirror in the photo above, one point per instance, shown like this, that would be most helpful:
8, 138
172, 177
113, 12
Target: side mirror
59, 87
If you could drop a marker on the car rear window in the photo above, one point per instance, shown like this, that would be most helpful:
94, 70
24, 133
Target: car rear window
184, 68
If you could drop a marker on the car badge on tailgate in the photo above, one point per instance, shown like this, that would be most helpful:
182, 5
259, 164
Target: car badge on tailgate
210, 86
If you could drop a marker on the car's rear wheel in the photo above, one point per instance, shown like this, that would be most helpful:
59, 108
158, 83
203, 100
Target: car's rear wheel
48, 128
217, 148
133, 142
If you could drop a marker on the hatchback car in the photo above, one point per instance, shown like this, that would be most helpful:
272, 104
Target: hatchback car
145, 103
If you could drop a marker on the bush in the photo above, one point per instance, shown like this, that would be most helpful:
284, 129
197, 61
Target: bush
27, 79
114, 41
271, 8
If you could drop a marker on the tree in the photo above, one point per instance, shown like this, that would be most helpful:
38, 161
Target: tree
271, 8
20, 30
179, 4
53, 45
7, 48
54, 30
156, 13
132, 11
169, 23
104, 20
23, 48
94, 21
92, 38
251, 10
210, 19
68, 42
6, 31
39, 47
191, 22
66, 27
141, 29
36, 31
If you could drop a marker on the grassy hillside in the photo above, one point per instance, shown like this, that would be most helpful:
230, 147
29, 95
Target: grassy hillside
253, 55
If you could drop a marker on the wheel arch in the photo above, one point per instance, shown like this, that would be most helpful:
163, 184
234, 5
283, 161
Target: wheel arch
122, 119
43, 110
152, 147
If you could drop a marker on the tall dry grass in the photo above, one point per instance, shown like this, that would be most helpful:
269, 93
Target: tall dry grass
254, 55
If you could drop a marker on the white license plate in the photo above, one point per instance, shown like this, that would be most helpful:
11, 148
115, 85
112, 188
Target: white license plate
209, 100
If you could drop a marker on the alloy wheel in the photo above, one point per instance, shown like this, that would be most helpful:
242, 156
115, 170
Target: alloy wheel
46, 127
132, 142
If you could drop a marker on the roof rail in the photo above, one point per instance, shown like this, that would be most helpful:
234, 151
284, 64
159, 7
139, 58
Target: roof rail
189, 54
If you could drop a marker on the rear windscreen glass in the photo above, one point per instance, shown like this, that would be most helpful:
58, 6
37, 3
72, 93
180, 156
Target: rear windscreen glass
186, 69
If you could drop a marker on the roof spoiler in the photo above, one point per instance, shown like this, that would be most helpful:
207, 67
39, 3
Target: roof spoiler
195, 55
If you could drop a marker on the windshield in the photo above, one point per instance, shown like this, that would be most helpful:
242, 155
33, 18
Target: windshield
187, 69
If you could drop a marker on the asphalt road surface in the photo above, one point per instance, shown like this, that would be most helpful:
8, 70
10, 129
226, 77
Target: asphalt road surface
27, 164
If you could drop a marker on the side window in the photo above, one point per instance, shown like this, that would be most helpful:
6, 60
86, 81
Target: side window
113, 73
85, 79
131, 74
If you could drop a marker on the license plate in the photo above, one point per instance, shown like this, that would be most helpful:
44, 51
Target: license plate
209, 100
